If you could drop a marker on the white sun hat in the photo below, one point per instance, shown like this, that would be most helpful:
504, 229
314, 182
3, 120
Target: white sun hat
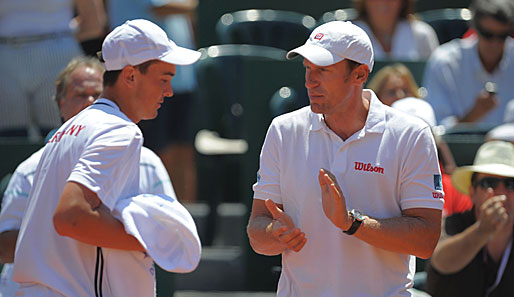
492, 157
335, 41
138, 41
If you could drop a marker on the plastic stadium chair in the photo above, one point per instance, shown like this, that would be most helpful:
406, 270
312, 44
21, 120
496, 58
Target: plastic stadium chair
448, 23
275, 28
288, 99
346, 14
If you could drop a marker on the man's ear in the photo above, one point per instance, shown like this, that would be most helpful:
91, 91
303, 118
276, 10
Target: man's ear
127, 76
361, 74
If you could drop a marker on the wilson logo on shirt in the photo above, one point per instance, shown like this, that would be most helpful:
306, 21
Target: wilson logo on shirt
359, 166
73, 131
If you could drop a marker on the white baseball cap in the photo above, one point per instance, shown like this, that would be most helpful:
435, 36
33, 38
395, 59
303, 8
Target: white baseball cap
335, 41
416, 107
138, 41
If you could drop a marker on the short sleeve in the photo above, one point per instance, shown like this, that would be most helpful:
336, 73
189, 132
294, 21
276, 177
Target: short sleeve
109, 164
268, 176
421, 182
14, 202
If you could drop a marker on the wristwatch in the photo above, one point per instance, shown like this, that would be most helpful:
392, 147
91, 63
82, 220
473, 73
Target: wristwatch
357, 217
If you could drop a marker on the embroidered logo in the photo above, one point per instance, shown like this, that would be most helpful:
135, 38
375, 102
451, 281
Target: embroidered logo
368, 167
319, 36
438, 182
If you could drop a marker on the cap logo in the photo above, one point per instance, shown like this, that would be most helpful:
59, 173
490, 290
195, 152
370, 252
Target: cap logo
319, 36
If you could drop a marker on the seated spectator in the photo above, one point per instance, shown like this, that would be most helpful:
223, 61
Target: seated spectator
393, 30
470, 80
394, 82
474, 255
454, 201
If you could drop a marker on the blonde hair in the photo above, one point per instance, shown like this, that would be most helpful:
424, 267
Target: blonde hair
378, 80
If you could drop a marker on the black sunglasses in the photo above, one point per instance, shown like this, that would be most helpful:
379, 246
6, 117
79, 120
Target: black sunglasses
490, 35
493, 182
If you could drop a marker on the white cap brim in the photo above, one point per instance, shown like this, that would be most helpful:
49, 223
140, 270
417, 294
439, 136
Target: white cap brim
315, 54
181, 56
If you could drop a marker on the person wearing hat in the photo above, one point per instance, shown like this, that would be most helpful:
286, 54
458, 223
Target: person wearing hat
90, 164
474, 256
348, 190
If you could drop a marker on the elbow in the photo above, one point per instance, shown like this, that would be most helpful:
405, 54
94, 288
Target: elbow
65, 224
429, 245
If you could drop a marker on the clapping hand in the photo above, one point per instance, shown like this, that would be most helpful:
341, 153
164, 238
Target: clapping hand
284, 229
334, 203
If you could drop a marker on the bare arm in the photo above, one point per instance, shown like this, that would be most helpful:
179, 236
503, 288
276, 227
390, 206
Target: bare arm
185, 7
271, 231
7, 245
416, 232
82, 216
91, 19
455, 252
484, 103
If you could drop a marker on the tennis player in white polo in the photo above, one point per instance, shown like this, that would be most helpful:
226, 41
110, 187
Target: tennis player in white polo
88, 165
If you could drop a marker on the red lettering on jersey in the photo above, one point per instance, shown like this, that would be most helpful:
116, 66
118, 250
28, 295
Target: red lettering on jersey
71, 130
368, 167
437, 195
80, 129
54, 138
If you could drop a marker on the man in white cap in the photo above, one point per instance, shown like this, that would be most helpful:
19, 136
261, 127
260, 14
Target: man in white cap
91, 163
348, 190
474, 256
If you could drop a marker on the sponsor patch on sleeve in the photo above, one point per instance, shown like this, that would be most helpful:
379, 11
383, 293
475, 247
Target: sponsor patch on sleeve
438, 182
258, 176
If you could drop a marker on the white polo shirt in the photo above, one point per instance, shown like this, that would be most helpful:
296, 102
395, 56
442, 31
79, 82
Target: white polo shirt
386, 167
100, 149
154, 179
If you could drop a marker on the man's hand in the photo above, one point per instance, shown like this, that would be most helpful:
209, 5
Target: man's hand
334, 203
283, 228
484, 103
493, 215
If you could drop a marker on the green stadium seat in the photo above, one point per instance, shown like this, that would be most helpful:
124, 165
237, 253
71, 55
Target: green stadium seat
448, 23
344, 14
267, 27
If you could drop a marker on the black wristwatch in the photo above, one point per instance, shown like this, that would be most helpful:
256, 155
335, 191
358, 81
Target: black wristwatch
357, 217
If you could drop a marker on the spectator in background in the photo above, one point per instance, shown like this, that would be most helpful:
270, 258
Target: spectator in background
393, 30
474, 257
454, 201
77, 86
394, 82
36, 42
171, 134
470, 80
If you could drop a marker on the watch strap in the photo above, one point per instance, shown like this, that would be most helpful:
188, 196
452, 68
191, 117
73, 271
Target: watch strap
355, 225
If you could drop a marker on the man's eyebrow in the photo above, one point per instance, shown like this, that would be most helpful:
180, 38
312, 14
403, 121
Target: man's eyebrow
169, 73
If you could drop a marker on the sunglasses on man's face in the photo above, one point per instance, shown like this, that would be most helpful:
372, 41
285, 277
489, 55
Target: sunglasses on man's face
493, 182
491, 35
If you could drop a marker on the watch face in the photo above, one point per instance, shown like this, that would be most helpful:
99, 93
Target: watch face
358, 215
